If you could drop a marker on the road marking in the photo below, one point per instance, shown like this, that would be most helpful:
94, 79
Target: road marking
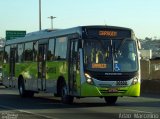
138, 111
28, 112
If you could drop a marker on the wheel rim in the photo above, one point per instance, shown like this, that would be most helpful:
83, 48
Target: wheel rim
64, 92
21, 89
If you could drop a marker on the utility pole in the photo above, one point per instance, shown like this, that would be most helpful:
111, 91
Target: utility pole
40, 15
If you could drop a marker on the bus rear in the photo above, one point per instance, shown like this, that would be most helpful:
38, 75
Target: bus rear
111, 65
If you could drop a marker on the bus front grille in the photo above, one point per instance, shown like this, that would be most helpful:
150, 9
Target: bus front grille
113, 78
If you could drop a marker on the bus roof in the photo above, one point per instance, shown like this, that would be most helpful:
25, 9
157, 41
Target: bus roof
45, 34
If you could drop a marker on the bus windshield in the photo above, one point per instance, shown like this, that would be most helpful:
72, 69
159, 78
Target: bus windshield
110, 55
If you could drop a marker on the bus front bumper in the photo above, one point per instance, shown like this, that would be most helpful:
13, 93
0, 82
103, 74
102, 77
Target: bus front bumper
88, 90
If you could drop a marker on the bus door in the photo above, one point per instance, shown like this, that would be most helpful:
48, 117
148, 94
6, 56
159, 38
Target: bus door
12, 65
41, 82
73, 66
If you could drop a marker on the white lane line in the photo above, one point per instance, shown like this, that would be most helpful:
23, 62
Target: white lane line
28, 112
140, 111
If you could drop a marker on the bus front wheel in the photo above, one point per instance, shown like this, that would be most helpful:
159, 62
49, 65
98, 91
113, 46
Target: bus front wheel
22, 91
111, 100
65, 98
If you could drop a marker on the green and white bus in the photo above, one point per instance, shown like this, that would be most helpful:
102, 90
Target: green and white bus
84, 61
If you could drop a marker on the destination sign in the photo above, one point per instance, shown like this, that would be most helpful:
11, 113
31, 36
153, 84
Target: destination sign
107, 33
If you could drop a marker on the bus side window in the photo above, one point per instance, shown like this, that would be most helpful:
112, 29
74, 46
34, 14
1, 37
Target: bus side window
61, 48
28, 52
51, 50
20, 52
35, 51
6, 54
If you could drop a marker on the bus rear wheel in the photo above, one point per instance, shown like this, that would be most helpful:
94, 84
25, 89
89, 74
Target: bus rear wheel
21, 88
65, 98
111, 100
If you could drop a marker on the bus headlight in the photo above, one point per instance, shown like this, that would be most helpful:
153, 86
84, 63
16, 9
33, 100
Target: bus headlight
134, 80
88, 78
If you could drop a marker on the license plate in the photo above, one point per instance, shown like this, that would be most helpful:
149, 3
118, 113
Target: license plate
113, 90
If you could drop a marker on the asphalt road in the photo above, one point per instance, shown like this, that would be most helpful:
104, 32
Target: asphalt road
12, 106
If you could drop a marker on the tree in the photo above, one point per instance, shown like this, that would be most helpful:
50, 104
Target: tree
148, 39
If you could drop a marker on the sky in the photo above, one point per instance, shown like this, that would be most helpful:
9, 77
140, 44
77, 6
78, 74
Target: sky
143, 16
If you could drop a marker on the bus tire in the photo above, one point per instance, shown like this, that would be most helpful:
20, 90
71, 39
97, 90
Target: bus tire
111, 100
65, 98
30, 93
21, 88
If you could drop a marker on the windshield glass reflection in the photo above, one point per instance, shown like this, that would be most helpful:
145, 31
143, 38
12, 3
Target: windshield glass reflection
109, 55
